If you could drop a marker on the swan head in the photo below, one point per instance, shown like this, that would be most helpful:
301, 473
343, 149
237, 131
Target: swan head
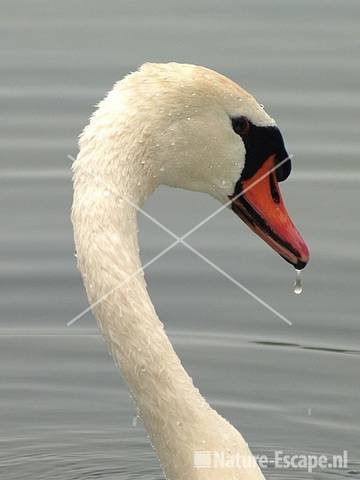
205, 133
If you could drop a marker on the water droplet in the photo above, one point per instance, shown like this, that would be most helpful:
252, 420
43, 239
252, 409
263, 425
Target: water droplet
172, 144
138, 184
162, 169
188, 118
193, 94
223, 182
298, 287
142, 162
261, 105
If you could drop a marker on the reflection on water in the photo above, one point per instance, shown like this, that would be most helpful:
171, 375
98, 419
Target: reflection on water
65, 412
307, 347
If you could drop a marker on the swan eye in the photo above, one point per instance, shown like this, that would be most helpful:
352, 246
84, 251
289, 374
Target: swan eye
241, 125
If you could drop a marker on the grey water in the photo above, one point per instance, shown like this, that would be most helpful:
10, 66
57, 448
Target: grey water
64, 409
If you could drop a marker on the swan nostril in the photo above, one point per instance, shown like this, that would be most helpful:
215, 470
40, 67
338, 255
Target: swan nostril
274, 188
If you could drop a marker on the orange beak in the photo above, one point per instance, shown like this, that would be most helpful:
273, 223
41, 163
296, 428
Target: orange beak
259, 203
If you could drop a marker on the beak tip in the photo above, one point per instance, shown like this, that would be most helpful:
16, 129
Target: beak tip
300, 265
303, 258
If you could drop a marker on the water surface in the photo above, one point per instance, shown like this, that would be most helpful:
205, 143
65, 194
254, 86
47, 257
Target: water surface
65, 412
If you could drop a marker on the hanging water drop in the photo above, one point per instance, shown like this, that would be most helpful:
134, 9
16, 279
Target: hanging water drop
298, 286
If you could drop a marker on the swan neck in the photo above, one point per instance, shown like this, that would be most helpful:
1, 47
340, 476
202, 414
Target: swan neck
178, 419
105, 228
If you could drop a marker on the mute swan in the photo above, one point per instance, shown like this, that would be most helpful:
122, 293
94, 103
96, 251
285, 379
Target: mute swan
185, 126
